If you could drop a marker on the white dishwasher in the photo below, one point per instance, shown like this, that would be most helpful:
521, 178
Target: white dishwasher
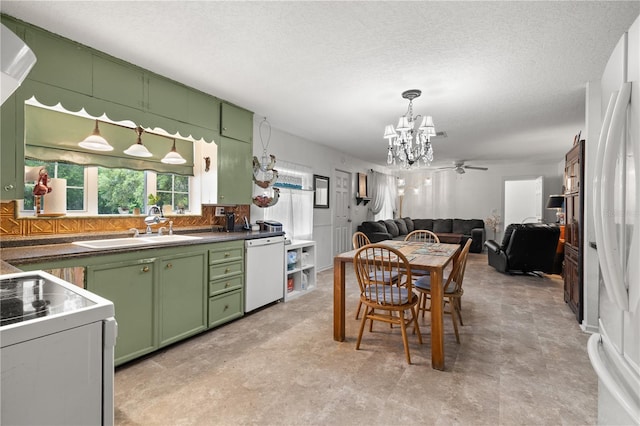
264, 271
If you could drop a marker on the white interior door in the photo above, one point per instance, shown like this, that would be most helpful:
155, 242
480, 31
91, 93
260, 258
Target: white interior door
342, 212
522, 200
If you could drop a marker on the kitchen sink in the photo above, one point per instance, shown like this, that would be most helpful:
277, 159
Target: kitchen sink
129, 242
169, 238
112, 243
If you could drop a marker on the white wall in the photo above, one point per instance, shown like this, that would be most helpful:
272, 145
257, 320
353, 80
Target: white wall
323, 161
476, 193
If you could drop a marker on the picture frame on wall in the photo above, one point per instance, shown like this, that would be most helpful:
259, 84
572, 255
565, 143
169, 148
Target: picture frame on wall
321, 192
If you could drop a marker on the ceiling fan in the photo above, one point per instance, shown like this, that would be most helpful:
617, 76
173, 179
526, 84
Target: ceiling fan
459, 167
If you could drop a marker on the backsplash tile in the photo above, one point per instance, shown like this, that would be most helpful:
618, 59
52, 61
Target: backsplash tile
34, 226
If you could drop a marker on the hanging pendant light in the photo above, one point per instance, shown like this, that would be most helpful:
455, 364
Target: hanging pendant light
138, 149
173, 157
95, 141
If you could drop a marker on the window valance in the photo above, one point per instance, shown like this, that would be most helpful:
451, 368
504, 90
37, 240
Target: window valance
53, 136
75, 102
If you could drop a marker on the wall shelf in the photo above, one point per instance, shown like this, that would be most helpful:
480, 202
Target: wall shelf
363, 200
301, 278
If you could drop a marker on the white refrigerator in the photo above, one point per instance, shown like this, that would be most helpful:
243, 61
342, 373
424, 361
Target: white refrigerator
615, 350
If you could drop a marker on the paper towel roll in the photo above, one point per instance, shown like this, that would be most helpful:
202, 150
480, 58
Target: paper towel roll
55, 202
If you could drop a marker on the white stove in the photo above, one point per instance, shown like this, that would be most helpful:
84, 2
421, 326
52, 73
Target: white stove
56, 352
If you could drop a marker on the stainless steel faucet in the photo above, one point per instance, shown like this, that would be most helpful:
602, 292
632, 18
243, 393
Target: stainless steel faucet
153, 218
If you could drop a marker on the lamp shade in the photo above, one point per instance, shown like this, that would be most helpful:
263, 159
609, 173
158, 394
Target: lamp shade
138, 149
389, 132
173, 157
555, 202
95, 141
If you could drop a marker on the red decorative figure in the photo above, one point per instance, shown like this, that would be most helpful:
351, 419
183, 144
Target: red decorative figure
41, 187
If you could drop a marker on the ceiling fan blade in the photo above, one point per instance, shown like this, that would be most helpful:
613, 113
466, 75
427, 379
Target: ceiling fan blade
476, 168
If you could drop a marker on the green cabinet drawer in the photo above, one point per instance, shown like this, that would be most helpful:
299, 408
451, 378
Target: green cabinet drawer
226, 253
225, 270
225, 284
226, 307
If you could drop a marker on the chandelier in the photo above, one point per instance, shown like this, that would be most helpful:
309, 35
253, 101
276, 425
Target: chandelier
408, 145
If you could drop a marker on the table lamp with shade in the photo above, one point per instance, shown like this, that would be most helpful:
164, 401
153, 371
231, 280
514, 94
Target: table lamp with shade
557, 202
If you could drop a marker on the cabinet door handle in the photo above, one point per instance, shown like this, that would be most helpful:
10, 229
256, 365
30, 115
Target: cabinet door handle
226, 254
9, 187
145, 269
227, 285
169, 266
226, 307
226, 271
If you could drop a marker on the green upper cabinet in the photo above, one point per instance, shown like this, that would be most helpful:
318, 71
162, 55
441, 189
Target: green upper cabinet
66, 65
167, 98
236, 123
118, 82
11, 153
235, 171
203, 110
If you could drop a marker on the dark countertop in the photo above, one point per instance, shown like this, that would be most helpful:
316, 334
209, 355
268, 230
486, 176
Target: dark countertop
26, 251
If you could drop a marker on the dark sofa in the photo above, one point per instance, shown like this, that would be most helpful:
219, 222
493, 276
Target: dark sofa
445, 229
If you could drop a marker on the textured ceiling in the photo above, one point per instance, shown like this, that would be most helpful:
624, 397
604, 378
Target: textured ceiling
505, 80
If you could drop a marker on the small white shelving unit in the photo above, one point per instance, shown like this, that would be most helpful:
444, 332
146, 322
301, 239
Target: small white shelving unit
301, 275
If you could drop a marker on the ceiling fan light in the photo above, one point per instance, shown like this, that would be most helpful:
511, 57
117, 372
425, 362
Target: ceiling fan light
95, 141
173, 157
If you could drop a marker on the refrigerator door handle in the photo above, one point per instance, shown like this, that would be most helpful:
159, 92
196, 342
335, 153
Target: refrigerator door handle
609, 380
598, 210
617, 286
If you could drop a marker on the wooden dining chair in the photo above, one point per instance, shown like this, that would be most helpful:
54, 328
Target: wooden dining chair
358, 240
422, 236
452, 290
386, 290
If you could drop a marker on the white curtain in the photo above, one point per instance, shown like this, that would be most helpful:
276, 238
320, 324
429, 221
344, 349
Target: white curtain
295, 211
378, 192
384, 193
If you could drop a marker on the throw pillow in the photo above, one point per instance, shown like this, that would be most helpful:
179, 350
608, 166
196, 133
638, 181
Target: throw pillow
402, 226
392, 228
423, 224
409, 222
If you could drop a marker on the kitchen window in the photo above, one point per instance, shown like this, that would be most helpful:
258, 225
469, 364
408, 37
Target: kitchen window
103, 191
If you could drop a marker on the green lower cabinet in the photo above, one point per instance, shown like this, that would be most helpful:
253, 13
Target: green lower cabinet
158, 300
225, 307
183, 297
130, 286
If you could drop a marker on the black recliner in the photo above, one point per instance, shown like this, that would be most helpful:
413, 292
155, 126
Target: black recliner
527, 248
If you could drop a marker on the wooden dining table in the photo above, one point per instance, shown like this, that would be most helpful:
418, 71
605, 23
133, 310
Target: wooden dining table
432, 257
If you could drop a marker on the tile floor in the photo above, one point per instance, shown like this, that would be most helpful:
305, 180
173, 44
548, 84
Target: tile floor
522, 361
